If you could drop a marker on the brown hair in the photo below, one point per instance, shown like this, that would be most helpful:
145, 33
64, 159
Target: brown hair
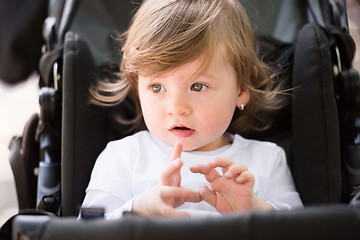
165, 34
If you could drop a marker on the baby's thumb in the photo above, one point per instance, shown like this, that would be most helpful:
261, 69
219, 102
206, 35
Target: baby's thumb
208, 195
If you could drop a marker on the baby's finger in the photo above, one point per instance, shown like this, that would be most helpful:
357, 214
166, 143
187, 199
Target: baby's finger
246, 178
210, 173
177, 151
167, 176
203, 169
180, 192
168, 211
224, 163
208, 196
235, 170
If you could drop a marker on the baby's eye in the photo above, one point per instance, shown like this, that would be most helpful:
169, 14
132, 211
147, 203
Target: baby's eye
198, 87
157, 88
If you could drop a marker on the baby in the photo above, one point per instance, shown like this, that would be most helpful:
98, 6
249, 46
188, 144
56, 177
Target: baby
192, 70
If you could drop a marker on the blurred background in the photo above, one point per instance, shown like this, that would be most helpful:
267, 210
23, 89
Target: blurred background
18, 101
353, 10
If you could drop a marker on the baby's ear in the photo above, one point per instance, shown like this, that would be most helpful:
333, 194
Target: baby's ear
244, 94
243, 98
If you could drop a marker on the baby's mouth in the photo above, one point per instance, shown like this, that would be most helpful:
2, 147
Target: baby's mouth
181, 128
182, 131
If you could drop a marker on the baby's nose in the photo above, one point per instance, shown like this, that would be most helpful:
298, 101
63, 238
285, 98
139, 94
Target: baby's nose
179, 106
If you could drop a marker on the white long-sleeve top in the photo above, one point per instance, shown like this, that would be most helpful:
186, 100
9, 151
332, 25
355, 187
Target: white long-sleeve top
132, 165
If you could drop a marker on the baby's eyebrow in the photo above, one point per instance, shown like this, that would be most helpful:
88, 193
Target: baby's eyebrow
206, 76
150, 79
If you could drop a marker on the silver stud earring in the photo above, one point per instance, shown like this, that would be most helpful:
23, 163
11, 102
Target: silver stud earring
242, 107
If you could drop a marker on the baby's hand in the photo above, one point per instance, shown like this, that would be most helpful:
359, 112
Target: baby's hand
232, 191
167, 195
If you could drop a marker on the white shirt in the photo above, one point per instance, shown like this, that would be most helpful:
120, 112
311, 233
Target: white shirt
132, 165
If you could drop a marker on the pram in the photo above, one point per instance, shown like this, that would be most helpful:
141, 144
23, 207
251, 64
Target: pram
318, 130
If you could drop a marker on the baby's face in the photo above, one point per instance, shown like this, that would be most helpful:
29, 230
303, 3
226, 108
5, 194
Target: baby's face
191, 107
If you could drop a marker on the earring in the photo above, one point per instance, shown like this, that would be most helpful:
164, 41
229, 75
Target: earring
242, 107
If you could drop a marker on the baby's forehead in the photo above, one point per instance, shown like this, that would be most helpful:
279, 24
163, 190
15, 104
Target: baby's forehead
205, 63
210, 69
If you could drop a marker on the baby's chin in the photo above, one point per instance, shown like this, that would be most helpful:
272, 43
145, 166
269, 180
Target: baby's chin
192, 147
188, 144
186, 147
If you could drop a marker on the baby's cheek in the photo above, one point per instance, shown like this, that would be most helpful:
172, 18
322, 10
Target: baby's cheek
218, 126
